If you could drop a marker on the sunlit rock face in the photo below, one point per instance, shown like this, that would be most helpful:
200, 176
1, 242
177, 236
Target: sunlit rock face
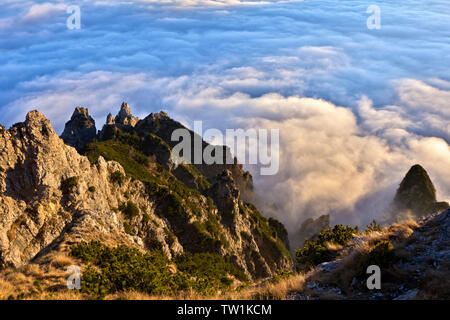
52, 196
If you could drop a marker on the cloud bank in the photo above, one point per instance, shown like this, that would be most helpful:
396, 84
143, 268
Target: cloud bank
356, 107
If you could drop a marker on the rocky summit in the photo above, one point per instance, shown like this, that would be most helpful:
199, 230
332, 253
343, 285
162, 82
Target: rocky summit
416, 195
121, 188
80, 129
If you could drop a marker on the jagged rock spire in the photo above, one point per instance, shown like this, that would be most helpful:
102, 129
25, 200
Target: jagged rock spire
80, 129
110, 119
417, 194
125, 117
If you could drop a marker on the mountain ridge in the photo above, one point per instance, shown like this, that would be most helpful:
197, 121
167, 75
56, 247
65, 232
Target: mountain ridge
52, 197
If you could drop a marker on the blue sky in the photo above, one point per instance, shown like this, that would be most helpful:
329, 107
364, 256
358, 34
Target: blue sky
356, 107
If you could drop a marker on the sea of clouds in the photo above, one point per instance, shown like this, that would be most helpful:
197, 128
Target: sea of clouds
355, 107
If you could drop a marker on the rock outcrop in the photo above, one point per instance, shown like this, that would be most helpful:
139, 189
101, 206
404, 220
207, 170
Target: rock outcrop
415, 264
80, 129
310, 229
416, 195
52, 197
157, 128
124, 117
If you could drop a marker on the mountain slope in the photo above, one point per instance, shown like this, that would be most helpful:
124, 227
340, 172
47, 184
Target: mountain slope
413, 256
51, 198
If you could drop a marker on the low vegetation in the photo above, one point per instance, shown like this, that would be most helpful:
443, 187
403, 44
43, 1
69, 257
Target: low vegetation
130, 209
321, 250
111, 270
266, 232
69, 184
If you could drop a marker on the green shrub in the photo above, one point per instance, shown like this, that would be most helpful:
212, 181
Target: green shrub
122, 268
211, 269
131, 152
279, 228
316, 252
88, 252
145, 218
246, 235
154, 244
128, 229
37, 285
69, 184
130, 209
266, 232
117, 177
170, 236
281, 274
208, 236
312, 254
94, 283
374, 226
155, 223
338, 234
382, 255
91, 189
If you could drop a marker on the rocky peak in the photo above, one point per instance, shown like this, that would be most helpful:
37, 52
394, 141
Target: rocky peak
81, 112
110, 119
125, 117
159, 115
417, 194
36, 127
35, 116
35, 120
152, 122
80, 129
311, 228
52, 197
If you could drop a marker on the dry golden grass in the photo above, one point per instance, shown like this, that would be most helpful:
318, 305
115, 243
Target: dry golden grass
47, 279
48, 282
136, 295
353, 253
403, 230
62, 261
333, 246
63, 295
269, 291
32, 281
6, 289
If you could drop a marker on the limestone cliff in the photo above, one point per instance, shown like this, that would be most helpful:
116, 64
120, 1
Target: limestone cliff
52, 197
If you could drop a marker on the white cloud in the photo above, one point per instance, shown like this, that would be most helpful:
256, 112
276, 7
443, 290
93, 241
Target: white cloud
378, 101
42, 11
